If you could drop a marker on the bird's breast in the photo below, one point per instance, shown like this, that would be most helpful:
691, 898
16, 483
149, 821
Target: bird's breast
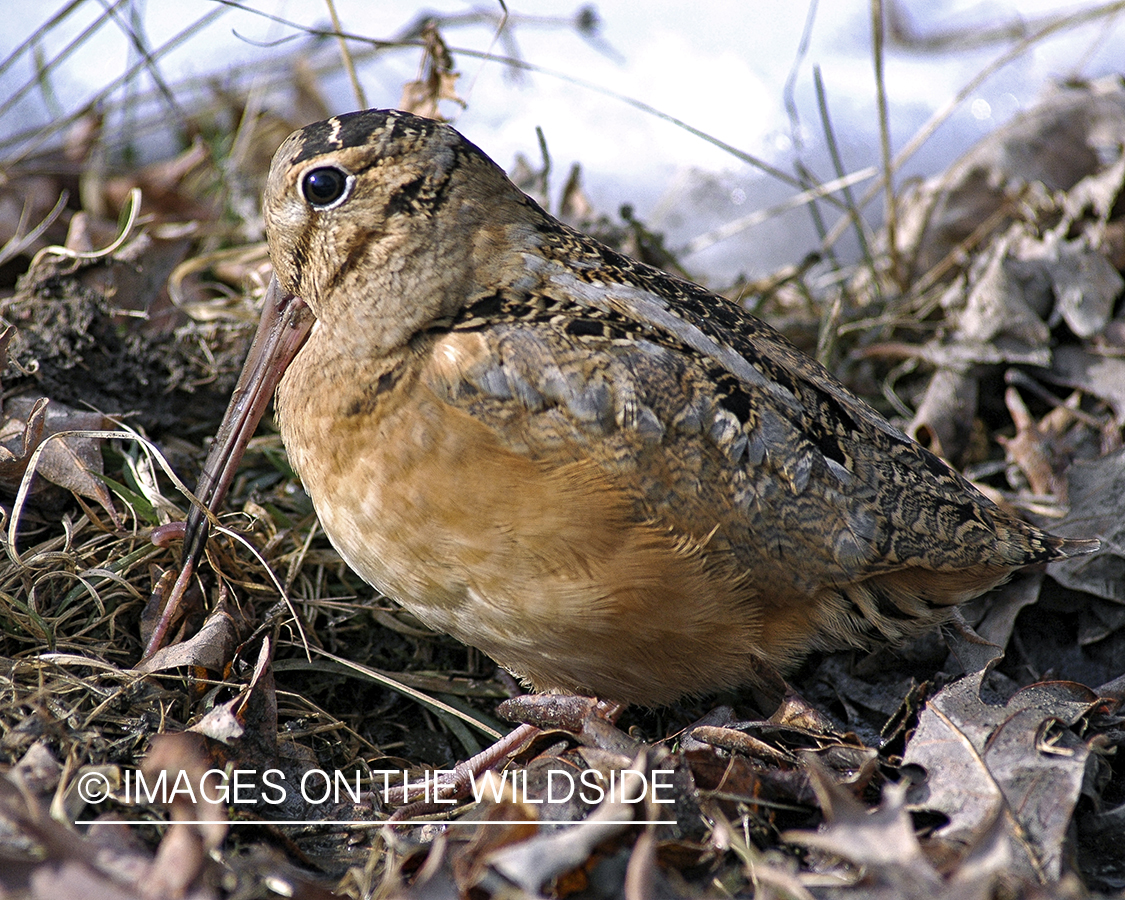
547, 567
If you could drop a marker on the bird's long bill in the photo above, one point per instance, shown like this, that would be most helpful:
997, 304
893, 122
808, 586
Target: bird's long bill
285, 324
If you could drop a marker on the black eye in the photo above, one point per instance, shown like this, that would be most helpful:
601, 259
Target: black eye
325, 187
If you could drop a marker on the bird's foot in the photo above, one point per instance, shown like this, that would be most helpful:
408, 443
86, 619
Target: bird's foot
591, 721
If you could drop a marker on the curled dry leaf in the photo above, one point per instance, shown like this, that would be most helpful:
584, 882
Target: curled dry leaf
210, 648
1031, 449
881, 842
532, 863
944, 418
890, 862
1018, 765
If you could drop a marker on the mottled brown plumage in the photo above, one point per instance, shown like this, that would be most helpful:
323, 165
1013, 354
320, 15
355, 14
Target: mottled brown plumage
610, 480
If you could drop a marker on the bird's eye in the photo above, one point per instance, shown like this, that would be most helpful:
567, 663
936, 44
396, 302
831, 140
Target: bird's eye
326, 187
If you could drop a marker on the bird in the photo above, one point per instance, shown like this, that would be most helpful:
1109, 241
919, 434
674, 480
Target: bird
612, 481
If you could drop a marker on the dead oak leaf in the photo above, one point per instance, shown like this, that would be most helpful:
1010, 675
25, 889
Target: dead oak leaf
1017, 766
890, 861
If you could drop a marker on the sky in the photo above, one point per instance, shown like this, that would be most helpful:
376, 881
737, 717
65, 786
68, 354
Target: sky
721, 67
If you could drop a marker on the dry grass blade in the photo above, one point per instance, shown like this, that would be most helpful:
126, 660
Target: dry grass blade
760, 216
149, 447
273, 580
1053, 27
877, 47
59, 58
29, 142
20, 241
414, 694
855, 210
129, 219
346, 56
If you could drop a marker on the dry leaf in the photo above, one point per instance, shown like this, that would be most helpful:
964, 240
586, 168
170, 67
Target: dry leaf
437, 80
1031, 449
73, 462
1016, 764
1059, 141
210, 648
1095, 489
1100, 376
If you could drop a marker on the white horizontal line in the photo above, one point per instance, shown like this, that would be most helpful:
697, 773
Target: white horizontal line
361, 823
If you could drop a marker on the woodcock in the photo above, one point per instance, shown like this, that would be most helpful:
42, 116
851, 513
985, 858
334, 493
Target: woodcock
610, 480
